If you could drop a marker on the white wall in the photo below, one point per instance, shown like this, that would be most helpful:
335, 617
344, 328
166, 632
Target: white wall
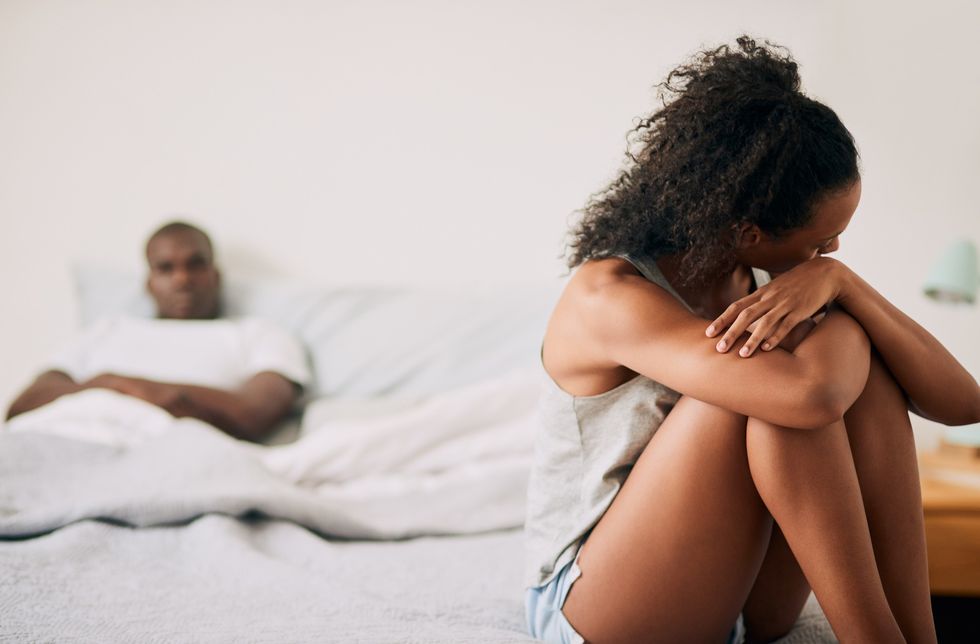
427, 142
907, 85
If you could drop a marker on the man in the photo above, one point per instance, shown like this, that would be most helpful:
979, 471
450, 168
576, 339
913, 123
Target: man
240, 375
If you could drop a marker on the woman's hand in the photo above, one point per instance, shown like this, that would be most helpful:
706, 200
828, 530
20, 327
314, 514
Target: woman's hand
773, 310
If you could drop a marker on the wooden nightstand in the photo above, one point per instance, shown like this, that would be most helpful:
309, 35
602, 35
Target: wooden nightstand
951, 502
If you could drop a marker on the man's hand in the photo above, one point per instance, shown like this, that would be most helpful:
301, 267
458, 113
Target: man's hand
166, 396
247, 413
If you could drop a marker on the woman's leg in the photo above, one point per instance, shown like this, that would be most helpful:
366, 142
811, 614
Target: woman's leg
882, 447
675, 556
809, 484
881, 441
778, 594
809, 480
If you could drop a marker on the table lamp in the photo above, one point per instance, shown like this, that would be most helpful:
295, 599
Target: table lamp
954, 277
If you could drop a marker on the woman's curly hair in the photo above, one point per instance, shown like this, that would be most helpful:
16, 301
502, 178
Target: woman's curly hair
735, 141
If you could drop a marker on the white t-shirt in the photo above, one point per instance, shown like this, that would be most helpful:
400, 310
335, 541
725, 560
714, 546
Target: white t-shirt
222, 353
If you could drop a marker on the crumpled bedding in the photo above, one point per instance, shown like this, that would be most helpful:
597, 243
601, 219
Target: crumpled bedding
400, 527
452, 464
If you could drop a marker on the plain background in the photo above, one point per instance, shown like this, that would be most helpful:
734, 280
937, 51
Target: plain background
431, 142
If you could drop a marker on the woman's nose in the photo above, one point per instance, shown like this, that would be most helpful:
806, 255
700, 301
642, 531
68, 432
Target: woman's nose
831, 247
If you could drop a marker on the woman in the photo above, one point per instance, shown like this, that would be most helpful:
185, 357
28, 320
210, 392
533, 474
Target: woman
688, 473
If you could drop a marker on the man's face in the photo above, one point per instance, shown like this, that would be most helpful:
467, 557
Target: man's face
183, 279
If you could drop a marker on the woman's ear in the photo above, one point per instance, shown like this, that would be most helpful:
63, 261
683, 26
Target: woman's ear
747, 235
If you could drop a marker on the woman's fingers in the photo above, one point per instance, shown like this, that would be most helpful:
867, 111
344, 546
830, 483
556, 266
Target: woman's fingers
761, 330
739, 325
729, 315
782, 330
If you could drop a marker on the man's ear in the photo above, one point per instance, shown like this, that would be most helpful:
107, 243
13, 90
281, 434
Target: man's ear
747, 235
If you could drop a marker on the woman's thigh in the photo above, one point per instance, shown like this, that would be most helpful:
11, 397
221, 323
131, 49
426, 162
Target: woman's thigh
676, 554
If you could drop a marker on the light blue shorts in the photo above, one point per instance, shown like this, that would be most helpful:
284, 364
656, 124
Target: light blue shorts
542, 607
545, 621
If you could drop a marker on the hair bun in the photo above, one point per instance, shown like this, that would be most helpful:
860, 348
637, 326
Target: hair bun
734, 141
747, 70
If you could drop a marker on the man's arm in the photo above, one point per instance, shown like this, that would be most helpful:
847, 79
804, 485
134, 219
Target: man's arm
47, 387
248, 413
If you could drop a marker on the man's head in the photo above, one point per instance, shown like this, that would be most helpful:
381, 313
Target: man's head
183, 279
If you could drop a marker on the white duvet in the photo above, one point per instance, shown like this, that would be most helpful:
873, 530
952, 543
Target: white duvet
454, 463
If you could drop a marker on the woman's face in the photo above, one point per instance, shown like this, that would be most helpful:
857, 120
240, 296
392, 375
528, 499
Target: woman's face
777, 255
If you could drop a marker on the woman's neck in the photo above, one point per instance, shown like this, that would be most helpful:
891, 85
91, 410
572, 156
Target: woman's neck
709, 300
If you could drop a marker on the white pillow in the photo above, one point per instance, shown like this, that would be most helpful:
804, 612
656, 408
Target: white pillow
369, 341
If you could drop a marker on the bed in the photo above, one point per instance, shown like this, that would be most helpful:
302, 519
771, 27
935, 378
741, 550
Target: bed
395, 516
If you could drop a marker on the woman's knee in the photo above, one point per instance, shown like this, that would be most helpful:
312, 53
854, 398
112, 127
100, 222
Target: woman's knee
880, 377
695, 409
882, 404
701, 433
700, 420
881, 391
770, 628
853, 334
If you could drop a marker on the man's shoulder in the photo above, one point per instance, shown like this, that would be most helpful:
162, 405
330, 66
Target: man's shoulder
272, 347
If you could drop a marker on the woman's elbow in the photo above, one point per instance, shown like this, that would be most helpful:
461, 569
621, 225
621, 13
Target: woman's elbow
976, 408
822, 402
830, 404
832, 383
961, 415
813, 416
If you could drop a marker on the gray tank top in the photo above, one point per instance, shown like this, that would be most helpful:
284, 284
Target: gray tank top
584, 448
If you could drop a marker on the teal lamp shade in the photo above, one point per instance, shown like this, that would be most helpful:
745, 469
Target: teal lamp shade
954, 277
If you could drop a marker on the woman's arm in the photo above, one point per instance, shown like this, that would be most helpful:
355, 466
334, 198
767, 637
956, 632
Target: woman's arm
631, 322
938, 387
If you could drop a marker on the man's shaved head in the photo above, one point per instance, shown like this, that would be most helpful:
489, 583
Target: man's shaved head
180, 227
183, 279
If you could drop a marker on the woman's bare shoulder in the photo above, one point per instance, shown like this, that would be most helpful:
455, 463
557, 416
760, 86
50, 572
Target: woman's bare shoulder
595, 274
600, 293
605, 288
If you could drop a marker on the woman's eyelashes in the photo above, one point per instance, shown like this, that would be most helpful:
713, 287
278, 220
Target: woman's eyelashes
827, 245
